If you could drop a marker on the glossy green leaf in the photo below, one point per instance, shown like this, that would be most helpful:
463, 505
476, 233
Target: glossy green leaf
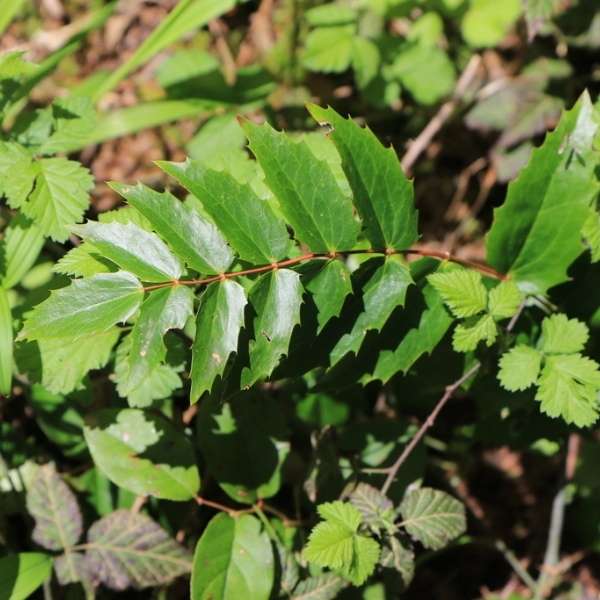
309, 196
6, 344
127, 549
432, 517
385, 290
85, 307
21, 574
276, 297
192, 238
83, 261
133, 249
218, 323
143, 452
233, 559
536, 233
163, 309
382, 193
329, 289
238, 212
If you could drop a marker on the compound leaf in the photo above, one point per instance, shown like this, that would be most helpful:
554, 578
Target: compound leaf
467, 336
504, 300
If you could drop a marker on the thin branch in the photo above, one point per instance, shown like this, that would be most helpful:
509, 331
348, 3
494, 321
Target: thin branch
418, 145
516, 565
232, 512
290, 262
450, 390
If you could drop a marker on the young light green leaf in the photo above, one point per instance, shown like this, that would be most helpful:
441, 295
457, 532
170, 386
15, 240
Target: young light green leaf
329, 49
233, 559
486, 22
133, 249
330, 545
504, 300
561, 335
58, 521
467, 336
366, 556
568, 388
128, 549
21, 574
382, 193
519, 368
220, 318
384, 291
432, 517
192, 238
236, 209
85, 307
59, 197
66, 362
17, 173
536, 233
462, 290
433, 325
329, 289
341, 513
129, 447
321, 587
6, 344
83, 261
163, 309
309, 196
276, 297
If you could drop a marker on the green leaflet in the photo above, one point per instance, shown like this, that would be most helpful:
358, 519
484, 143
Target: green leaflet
191, 237
233, 559
536, 233
86, 306
385, 290
433, 325
236, 209
329, 289
382, 193
133, 249
563, 335
462, 290
276, 297
23, 573
519, 368
310, 199
83, 261
130, 446
163, 309
6, 344
218, 323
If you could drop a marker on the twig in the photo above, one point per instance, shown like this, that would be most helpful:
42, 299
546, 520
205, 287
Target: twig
557, 516
418, 145
516, 565
232, 512
450, 390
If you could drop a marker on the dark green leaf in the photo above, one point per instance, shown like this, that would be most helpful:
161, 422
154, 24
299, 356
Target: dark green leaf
220, 318
382, 194
309, 196
233, 559
143, 452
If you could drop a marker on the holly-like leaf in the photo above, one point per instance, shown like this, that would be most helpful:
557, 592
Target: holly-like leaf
130, 445
87, 306
6, 344
329, 289
58, 522
561, 335
301, 182
163, 309
383, 195
59, 197
321, 587
433, 325
127, 549
21, 574
536, 233
218, 323
133, 249
462, 290
236, 209
233, 559
193, 239
467, 336
276, 297
385, 290
66, 363
568, 388
504, 300
432, 517
519, 368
